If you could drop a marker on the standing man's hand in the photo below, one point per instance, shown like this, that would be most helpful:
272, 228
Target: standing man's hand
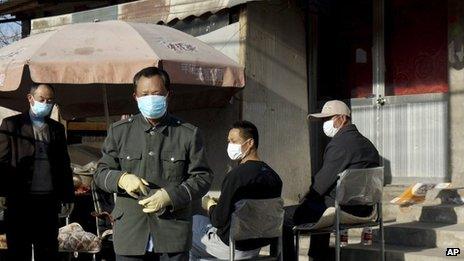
2, 203
133, 185
156, 202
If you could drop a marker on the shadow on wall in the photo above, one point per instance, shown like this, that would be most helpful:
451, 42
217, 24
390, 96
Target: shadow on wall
214, 124
456, 67
283, 130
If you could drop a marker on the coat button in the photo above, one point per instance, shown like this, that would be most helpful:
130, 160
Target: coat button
152, 133
172, 159
128, 157
151, 153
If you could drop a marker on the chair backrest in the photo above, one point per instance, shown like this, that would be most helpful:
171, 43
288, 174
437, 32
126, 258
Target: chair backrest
360, 186
257, 218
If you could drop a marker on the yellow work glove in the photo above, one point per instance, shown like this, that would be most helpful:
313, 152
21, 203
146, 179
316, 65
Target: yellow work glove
2, 203
207, 202
133, 185
156, 202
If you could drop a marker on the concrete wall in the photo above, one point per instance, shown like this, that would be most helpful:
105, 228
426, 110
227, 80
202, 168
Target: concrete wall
456, 84
215, 124
275, 97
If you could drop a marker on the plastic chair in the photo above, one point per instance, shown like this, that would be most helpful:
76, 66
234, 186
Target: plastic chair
354, 187
102, 213
258, 218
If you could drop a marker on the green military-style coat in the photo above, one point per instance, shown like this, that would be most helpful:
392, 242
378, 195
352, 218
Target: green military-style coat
170, 155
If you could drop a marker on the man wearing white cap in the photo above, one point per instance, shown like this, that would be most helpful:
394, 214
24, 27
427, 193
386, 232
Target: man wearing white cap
348, 149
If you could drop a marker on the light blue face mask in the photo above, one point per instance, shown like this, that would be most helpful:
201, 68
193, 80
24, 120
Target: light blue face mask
152, 106
41, 109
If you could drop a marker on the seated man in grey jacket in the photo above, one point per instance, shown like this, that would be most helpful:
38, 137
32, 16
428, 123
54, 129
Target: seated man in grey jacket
348, 149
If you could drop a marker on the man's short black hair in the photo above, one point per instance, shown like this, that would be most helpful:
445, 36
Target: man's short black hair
35, 86
247, 131
151, 72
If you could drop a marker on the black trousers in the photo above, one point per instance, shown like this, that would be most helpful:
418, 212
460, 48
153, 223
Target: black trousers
32, 220
306, 212
182, 256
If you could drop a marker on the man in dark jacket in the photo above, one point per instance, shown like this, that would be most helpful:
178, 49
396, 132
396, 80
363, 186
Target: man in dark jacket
251, 179
35, 178
348, 149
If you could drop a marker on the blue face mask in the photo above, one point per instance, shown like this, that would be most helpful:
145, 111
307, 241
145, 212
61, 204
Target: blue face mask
41, 109
152, 106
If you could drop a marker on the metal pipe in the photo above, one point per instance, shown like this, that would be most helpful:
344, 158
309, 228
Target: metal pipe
382, 239
378, 70
337, 220
231, 248
378, 57
105, 105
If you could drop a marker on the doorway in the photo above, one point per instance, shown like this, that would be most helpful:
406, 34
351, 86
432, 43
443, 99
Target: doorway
388, 61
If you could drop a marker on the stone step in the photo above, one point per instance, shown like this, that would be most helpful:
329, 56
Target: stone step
355, 251
392, 191
359, 252
390, 211
419, 234
432, 213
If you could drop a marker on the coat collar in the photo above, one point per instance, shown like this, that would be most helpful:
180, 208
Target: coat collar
347, 128
26, 125
27, 128
165, 121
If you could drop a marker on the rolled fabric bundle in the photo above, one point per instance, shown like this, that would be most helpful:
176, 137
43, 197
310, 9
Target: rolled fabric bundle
73, 238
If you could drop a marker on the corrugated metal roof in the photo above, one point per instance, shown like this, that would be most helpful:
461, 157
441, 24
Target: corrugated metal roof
37, 8
168, 10
152, 11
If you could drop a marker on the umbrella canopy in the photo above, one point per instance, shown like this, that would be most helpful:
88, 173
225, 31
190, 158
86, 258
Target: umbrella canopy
79, 59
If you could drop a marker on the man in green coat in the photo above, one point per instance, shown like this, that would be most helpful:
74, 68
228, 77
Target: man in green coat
157, 166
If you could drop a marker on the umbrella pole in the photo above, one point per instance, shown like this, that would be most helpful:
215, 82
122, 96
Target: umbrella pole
105, 104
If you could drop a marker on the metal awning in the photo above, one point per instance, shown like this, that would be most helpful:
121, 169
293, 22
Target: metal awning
152, 11
27, 9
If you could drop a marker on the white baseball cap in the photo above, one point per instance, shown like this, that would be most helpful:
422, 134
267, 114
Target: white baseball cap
330, 109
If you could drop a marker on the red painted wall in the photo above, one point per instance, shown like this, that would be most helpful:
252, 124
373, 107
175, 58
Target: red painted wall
416, 47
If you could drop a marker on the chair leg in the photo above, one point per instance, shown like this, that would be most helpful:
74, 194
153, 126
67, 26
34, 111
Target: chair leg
382, 242
337, 244
274, 247
231, 250
297, 245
